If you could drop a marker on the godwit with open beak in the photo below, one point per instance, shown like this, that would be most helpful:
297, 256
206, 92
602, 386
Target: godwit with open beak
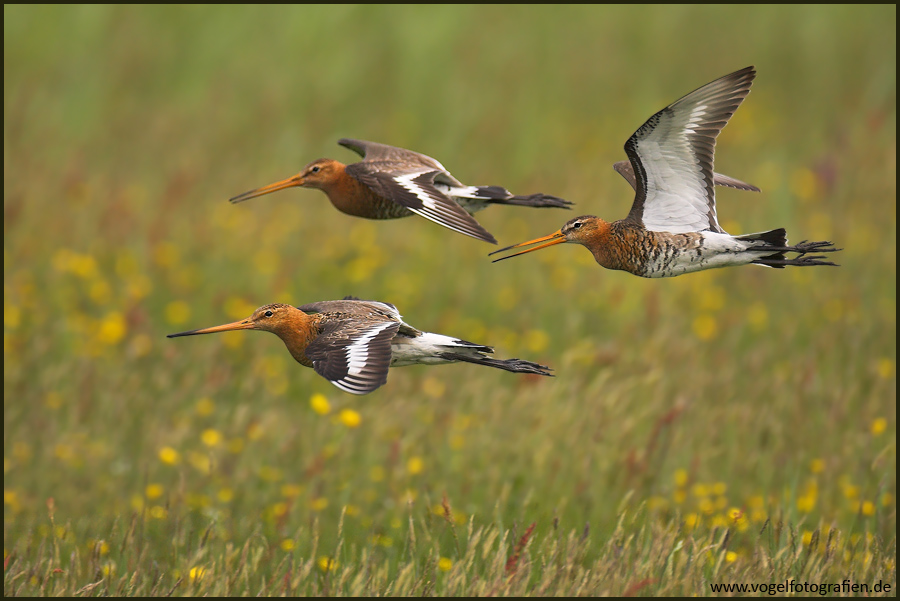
393, 182
352, 342
672, 227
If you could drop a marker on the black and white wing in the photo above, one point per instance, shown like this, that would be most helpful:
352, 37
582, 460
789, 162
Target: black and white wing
414, 189
353, 355
672, 157
625, 169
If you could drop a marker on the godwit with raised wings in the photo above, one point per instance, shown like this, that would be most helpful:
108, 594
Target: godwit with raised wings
672, 227
393, 182
352, 342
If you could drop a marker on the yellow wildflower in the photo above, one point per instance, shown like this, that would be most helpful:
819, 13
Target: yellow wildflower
112, 328
154, 491
169, 455
196, 574
415, 465
444, 564
878, 426
320, 404
211, 437
806, 503
287, 545
350, 418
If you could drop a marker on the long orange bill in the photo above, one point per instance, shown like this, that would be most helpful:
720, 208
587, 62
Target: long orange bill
237, 325
285, 183
555, 238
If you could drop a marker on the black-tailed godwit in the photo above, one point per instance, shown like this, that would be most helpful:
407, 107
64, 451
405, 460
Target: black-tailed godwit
352, 342
672, 227
393, 182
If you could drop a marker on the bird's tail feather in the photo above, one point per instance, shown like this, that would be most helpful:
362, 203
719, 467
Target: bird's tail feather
500, 195
776, 241
514, 365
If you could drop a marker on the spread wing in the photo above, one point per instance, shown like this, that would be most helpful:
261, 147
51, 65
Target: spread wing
413, 187
373, 151
353, 355
672, 157
351, 305
625, 169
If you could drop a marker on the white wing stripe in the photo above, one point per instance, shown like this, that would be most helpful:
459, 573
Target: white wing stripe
420, 193
358, 351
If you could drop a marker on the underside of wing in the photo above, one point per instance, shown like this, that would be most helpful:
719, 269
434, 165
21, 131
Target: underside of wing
354, 355
625, 169
414, 189
671, 157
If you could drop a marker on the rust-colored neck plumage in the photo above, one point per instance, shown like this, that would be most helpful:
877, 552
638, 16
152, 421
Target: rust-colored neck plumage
297, 330
619, 245
346, 193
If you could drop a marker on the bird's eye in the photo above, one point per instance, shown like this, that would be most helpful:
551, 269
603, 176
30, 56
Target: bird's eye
268, 314
576, 225
315, 169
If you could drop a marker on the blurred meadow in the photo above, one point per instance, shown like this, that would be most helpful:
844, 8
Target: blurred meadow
730, 426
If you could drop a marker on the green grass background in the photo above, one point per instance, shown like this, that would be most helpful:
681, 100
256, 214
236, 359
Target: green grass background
734, 425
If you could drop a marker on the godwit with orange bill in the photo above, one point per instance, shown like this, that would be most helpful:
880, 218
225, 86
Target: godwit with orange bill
352, 342
672, 227
393, 182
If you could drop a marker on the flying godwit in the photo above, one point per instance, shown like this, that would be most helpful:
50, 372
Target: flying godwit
352, 342
393, 182
672, 227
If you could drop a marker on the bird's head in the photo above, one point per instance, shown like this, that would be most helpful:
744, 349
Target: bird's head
580, 230
273, 318
318, 174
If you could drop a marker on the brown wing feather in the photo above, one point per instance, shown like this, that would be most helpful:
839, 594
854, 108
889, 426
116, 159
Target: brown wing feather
398, 157
353, 354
